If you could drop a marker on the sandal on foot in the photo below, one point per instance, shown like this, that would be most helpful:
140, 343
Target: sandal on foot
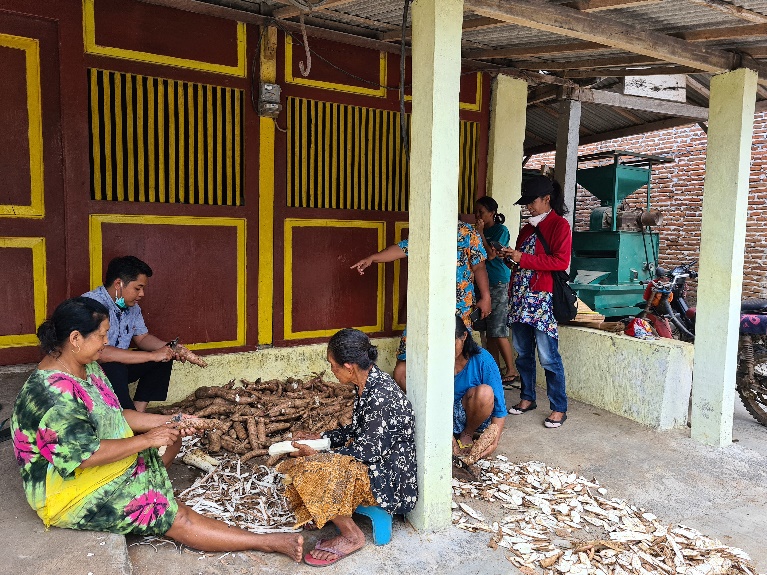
322, 546
463, 445
554, 424
516, 410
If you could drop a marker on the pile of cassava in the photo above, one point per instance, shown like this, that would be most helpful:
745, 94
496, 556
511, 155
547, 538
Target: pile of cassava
245, 420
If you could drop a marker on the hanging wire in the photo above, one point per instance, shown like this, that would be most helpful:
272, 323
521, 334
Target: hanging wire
308, 68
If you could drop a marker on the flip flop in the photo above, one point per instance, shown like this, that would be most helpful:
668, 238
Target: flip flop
310, 559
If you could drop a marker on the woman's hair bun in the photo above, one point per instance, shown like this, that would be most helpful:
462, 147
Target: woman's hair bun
372, 352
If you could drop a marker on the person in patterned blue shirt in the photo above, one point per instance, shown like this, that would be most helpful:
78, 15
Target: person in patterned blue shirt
470, 261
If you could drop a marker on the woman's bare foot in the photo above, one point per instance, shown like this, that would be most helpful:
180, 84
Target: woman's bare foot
344, 545
290, 544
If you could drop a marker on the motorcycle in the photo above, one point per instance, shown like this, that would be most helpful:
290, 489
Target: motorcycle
666, 308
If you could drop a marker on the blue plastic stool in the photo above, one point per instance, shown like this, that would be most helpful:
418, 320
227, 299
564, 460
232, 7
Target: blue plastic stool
381, 521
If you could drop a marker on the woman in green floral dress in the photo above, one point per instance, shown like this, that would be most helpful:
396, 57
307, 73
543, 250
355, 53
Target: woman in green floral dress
81, 464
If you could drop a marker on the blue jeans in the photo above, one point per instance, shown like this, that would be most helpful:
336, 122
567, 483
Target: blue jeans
526, 338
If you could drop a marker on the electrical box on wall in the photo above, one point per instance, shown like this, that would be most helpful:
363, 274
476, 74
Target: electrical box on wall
269, 100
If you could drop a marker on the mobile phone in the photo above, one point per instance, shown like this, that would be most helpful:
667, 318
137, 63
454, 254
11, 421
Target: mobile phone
475, 315
496, 246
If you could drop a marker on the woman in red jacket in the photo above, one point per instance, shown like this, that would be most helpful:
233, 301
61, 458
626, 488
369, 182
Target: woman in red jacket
531, 315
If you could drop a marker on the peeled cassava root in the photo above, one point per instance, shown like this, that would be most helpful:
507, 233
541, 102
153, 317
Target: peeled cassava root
283, 447
246, 419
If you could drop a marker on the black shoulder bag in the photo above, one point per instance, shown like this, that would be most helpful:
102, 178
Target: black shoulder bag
563, 297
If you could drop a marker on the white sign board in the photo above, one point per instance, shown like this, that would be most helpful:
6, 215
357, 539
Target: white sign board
666, 87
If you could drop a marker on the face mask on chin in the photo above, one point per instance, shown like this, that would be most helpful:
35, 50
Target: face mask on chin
120, 301
535, 220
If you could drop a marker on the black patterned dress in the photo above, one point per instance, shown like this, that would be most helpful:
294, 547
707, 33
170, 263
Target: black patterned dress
372, 461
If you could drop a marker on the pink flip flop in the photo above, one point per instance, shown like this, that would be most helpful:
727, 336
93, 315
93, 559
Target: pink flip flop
320, 546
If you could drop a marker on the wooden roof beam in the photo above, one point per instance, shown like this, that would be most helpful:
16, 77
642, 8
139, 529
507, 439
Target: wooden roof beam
611, 32
598, 5
654, 105
617, 61
621, 72
582, 5
291, 11
732, 10
527, 51
723, 33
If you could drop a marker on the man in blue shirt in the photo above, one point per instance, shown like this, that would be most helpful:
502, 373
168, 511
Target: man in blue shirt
152, 361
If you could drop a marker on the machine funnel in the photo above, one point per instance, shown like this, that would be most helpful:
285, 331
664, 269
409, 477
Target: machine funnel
612, 183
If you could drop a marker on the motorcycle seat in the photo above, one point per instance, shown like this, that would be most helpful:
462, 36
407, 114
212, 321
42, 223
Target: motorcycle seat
754, 306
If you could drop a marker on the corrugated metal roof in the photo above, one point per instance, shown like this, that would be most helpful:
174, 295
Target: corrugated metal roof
373, 18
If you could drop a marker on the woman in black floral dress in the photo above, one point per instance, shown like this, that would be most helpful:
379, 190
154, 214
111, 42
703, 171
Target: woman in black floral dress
372, 461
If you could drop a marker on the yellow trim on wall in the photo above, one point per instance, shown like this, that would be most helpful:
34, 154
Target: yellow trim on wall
40, 299
266, 197
36, 207
396, 323
89, 36
291, 223
474, 106
96, 249
301, 81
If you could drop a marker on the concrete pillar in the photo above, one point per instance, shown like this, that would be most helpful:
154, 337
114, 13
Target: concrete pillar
566, 158
723, 233
508, 115
431, 256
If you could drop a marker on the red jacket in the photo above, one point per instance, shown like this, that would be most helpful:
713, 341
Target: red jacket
556, 230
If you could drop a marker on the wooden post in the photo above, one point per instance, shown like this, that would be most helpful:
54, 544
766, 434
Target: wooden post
566, 157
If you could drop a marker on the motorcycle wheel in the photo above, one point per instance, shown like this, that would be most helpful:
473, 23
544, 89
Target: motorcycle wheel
753, 393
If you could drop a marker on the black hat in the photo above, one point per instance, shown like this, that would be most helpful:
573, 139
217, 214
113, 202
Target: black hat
535, 187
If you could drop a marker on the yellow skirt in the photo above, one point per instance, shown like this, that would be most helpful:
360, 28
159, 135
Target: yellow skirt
325, 485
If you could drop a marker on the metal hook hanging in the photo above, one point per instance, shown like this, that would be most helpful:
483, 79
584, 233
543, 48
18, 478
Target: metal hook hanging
308, 68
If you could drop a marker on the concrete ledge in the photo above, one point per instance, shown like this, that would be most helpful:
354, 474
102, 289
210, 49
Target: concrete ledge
269, 363
647, 381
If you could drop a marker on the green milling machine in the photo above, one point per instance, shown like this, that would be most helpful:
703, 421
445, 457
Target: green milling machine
619, 250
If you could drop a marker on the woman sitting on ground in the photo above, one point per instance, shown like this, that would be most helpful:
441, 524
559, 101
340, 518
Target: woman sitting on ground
478, 393
81, 464
372, 461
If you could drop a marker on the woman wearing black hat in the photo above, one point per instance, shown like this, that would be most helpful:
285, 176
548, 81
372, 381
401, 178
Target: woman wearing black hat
531, 315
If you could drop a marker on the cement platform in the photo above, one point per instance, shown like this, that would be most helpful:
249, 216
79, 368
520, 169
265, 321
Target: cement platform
720, 491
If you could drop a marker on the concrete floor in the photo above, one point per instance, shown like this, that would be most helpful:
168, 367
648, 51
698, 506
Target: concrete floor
720, 491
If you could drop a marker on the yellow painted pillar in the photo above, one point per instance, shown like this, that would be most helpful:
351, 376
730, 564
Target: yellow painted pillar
266, 196
508, 117
723, 234
431, 256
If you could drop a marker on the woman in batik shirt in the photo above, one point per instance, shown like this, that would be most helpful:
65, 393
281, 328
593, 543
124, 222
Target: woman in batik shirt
81, 464
372, 461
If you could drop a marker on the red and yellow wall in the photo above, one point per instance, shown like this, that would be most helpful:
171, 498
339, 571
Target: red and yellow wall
129, 128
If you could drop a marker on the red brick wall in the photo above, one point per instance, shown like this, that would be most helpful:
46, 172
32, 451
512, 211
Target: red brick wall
677, 190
